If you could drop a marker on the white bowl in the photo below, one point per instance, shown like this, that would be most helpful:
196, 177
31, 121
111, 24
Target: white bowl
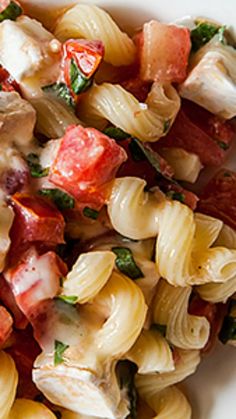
212, 390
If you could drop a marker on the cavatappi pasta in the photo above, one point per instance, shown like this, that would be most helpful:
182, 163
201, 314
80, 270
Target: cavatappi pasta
111, 271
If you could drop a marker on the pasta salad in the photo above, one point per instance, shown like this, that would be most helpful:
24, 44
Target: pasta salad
117, 257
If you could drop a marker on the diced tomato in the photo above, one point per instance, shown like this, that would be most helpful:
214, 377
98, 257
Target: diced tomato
164, 52
8, 299
85, 162
6, 323
137, 87
36, 220
219, 197
35, 279
7, 83
198, 131
87, 54
214, 313
142, 168
24, 352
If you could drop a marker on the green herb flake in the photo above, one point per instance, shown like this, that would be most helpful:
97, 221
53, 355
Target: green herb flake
59, 349
90, 213
161, 328
36, 169
228, 331
116, 133
72, 299
227, 174
79, 83
12, 11
176, 196
166, 125
223, 145
126, 263
61, 199
203, 33
61, 91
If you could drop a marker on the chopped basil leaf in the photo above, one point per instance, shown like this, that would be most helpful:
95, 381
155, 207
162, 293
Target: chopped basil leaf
90, 213
228, 331
126, 371
61, 199
72, 299
62, 91
223, 145
12, 11
79, 82
221, 34
126, 263
36, 169
166, 125
59, 349
136, 152
176, 196
203, 33
161, 328
227, 174
116, 133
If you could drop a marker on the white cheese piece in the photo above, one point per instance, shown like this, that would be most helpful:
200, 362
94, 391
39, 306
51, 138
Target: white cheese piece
211, 82
80, 390
17, 120
6, 220
29, 52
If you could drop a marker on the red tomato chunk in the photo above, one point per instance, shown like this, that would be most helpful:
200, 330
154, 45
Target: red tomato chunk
7, 83
219, 197
198, 131
35, 279
36, 220
164, 52
8, 300
86, 160
87, 54
5, 325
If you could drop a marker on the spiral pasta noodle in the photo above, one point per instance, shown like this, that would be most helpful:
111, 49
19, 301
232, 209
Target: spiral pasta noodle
8, 383
92, 22
151, 353
169, 403
216, 293
186, 166
126, 304
121, 108
170, 308
184, 255
89, 274
152, 383
29, 409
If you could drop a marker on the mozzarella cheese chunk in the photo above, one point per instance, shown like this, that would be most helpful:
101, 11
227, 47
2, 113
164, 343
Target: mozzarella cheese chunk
80, 390
29, 52
212, 80
17, 119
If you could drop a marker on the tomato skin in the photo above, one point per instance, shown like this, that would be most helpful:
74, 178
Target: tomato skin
7, 83
87, 54
214, 313
164, 52
85, 162
24, 351
6, 323
36, 220
219, 197
8, 300
198, 131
